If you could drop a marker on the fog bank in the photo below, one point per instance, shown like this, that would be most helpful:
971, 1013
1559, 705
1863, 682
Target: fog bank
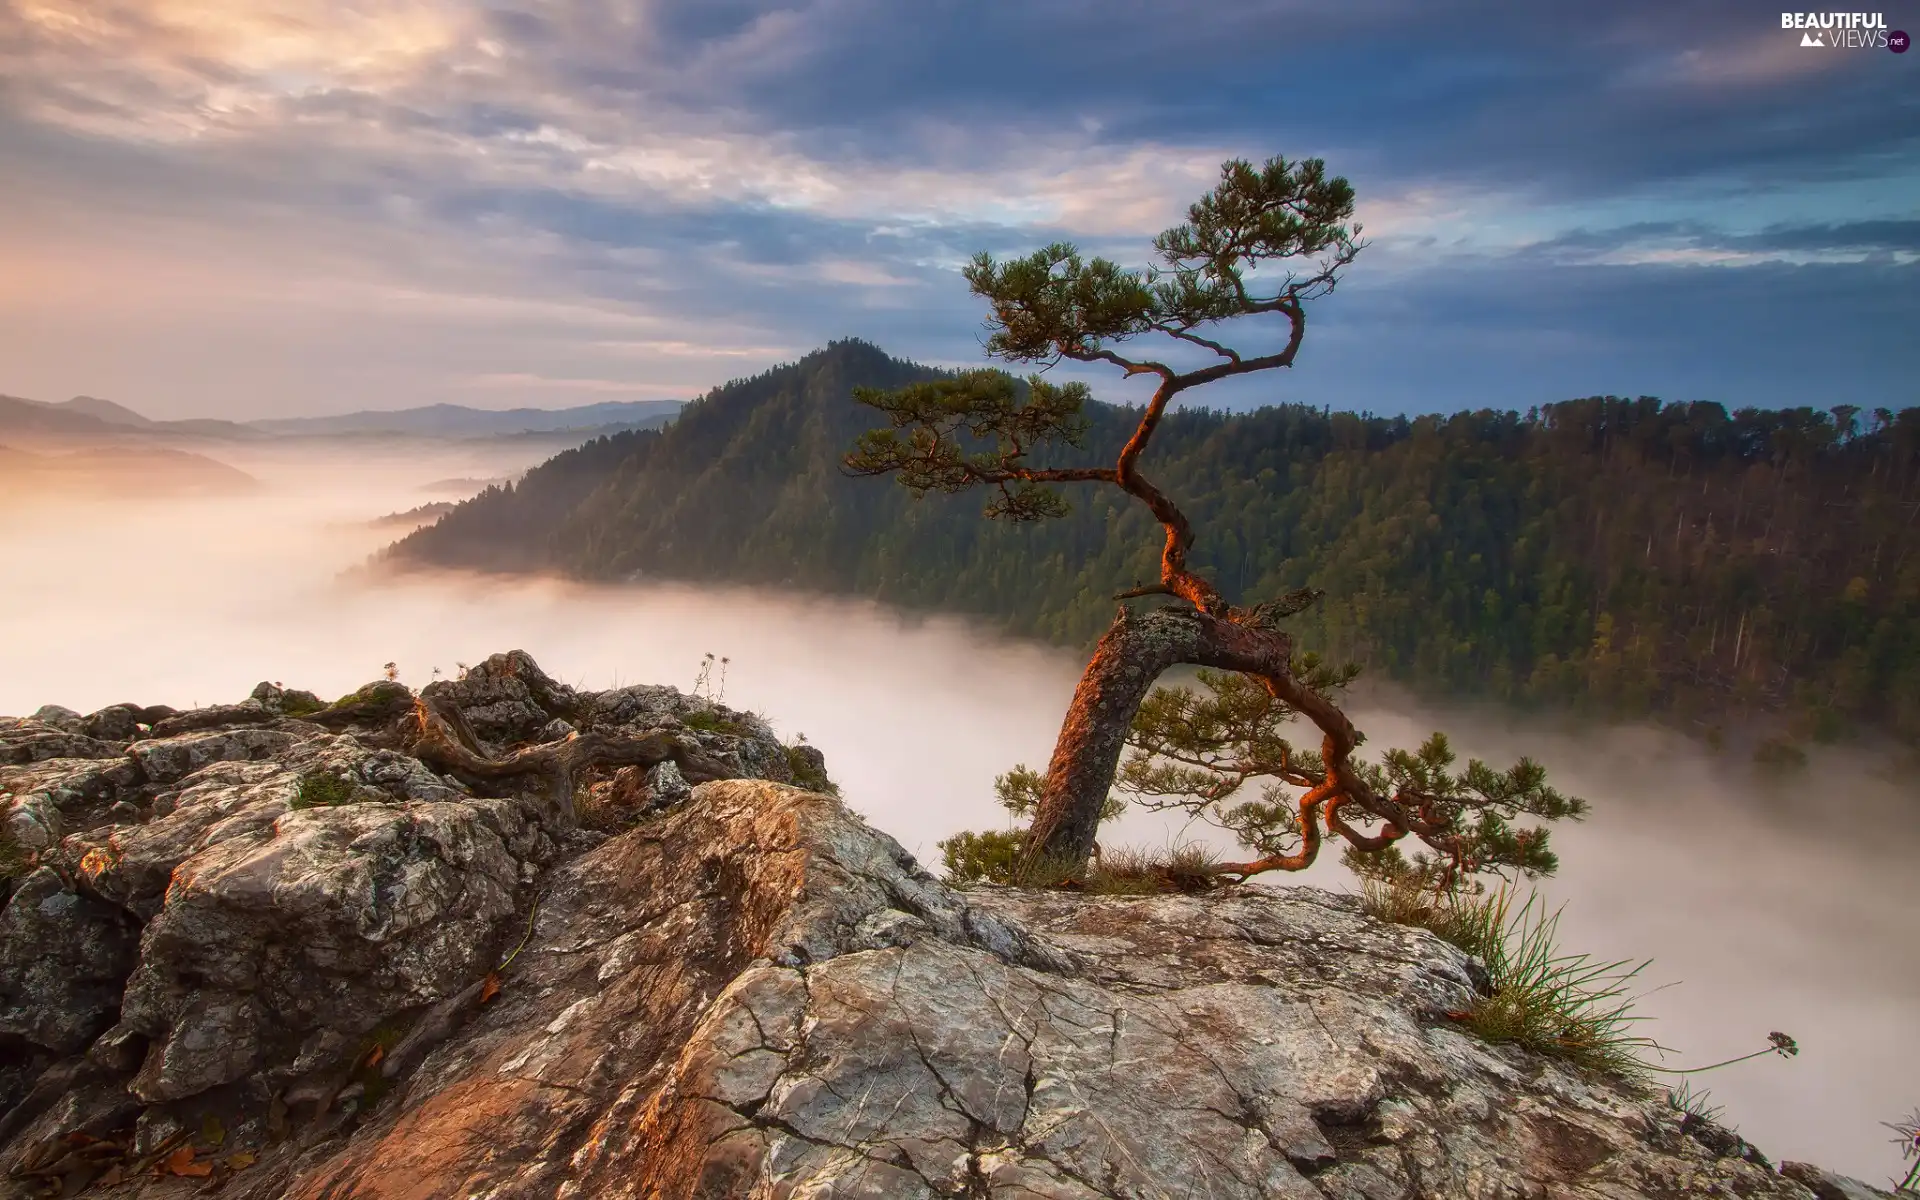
1770, 904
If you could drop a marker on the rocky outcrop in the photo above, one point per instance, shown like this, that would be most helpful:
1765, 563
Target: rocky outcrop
1825, 1185
313, 965
229, 905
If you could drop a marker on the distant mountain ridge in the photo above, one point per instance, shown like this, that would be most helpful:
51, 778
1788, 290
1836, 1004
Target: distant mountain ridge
104, 410
1615, 555
89, 416
455, 420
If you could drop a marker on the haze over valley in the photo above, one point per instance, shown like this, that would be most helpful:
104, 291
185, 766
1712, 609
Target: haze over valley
1762, 915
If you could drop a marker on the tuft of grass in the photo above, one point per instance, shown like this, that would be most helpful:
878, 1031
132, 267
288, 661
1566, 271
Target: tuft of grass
299, 704
1133, 871
366, 693
708, 721
1473, 922
1570, 1006
601, 806
592, 811
995, 856
1045, 872
372, 1053
1694, 1107
1192, 867
808, 772
1124, 871
319, 789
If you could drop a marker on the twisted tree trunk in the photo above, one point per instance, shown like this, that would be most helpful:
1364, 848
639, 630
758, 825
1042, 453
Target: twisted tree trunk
1134, 652
1131, 655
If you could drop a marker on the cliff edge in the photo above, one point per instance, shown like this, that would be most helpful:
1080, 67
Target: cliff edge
283, 948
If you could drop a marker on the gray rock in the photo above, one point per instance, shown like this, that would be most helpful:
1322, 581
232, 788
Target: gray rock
32, 820
757, 994
64, 719
26, 740
331, 918
247, 712
166, 759
500, 711
114, 723
119, 1051
742, 740
639, 706
815, 763
63, 960
666, 786
132, 864
549, 694
1825, 1185
43, 800
154, 1129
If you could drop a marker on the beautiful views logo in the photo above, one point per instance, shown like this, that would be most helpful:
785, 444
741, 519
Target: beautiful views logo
1845, 31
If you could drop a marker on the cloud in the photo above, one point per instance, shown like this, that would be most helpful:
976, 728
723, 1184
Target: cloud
506, 189
1695, 242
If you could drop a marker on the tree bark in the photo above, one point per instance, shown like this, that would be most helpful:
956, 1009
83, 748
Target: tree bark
444, 740
1136, 649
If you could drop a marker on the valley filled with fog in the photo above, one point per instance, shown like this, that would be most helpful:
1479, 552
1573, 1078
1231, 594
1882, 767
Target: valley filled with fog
1766, 903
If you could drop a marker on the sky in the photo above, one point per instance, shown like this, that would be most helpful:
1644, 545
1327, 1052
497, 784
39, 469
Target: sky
250, 208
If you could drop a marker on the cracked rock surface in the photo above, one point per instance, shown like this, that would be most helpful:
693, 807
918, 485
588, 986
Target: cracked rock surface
425, 990
760, 996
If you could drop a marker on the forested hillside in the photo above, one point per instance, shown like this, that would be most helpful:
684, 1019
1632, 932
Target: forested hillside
1617, 556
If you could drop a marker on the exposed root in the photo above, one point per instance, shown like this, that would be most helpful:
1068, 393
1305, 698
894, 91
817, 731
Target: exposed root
439, 735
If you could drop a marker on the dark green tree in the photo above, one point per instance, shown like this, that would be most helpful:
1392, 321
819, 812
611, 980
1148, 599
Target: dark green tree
983, 429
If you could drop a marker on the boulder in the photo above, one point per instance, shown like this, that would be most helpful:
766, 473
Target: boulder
43, 800
329, 921
1826, 1185
114, 723
28, 740
665, 784
64, 719
63, 959
548, 693
500, 711
247, 712
167, 759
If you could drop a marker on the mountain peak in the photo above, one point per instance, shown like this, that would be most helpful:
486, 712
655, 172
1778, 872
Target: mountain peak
104, 410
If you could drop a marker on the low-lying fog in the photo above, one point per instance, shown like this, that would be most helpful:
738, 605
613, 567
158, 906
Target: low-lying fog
1769, 905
